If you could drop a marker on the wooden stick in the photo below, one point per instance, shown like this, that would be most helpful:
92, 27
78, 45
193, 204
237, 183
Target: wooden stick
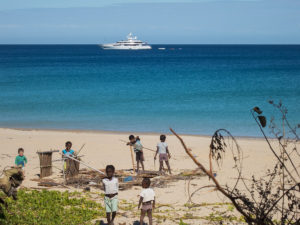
58, 160
211, 176
132, 158
149, 149
63, 169
69, 157
80, 149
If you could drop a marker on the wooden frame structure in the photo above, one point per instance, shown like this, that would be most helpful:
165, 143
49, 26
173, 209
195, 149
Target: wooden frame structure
46, 163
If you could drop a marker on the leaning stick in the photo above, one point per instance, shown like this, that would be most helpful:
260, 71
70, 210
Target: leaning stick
80, 149
132, 158
152, 150
63, 170
210, 175
66, 156
149, 149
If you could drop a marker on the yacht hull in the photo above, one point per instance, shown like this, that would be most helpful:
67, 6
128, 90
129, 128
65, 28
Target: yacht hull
132, 43
112, 47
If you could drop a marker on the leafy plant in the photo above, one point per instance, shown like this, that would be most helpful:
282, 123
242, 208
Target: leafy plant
182, 223
50, 207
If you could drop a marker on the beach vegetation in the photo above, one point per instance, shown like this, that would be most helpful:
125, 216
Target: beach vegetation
271, 198
182, 223
49, 207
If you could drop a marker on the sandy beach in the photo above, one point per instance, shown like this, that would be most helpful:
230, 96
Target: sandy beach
102, 148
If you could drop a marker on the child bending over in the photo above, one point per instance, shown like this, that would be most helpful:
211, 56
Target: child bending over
138, 149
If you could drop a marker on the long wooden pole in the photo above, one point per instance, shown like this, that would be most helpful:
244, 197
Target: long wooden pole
63, 169
149, 149
209, 174
84, 164
80, 149
132, 158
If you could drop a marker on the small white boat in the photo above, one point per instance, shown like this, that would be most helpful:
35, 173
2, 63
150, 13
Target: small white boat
132, 43
161, 48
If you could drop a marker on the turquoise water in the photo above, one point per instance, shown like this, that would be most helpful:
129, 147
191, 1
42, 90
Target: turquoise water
195, 89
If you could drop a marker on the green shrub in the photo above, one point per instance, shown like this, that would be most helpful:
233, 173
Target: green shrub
50, 207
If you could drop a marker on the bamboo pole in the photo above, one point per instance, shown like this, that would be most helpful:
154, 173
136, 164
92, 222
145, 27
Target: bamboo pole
63, 169
66, 156
80, 149
132, 158
149, 149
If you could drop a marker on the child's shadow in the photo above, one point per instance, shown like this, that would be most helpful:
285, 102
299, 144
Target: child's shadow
101, 222
138, 223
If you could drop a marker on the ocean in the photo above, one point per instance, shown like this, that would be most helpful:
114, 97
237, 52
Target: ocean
194, 89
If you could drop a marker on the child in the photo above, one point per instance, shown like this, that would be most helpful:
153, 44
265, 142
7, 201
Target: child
68, 151
111, 188
21, 159
164, 154
147, 200
138, 149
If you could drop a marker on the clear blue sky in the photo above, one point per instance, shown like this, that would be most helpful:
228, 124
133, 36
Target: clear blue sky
155, 21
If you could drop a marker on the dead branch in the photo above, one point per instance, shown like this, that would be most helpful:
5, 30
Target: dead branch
211, 176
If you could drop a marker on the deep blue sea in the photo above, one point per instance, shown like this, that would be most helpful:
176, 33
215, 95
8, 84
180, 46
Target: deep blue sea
195, 89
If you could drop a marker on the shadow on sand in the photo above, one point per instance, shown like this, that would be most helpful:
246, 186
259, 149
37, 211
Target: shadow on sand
101, 222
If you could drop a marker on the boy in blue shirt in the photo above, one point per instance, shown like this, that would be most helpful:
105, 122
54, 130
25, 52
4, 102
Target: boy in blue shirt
21, 159
68, 151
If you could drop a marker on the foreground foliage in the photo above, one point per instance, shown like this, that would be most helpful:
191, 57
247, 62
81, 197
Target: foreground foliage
50, 207
269, 199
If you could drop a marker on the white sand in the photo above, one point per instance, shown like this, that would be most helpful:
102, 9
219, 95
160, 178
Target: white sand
106, 148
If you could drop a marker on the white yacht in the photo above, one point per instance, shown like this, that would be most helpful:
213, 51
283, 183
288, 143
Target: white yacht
132, 43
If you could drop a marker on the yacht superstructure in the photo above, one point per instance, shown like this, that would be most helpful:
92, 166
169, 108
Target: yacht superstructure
132, 43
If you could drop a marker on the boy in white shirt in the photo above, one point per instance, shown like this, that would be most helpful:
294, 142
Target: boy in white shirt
164, 154
147, 200
111, 188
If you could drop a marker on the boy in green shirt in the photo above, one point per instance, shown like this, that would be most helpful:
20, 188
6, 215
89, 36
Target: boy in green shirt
21, 159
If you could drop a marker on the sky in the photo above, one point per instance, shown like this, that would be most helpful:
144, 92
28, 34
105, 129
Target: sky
155, 21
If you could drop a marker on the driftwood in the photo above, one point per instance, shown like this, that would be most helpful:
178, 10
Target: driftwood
40, 188
149, 174
209, 173
48, 184
93, 178
82, 181
259, 201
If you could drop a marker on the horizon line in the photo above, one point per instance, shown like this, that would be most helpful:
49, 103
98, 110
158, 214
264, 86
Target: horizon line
156, 44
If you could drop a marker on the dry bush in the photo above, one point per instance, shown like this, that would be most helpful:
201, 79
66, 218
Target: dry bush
273, 198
